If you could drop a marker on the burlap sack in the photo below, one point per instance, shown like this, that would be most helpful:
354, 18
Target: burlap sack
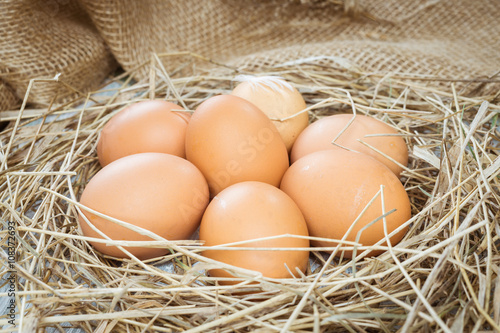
446, 39
439, 41
8, 99
40, 39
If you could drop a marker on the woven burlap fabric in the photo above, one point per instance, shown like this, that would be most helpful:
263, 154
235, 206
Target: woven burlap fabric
8, 99
40, 39
455, 40
450, 39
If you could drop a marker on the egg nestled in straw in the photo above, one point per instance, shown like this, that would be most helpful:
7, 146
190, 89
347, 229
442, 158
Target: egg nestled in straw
231, 140
361, 133
256, 216
279, 100
340, 194
146, 126
160, 193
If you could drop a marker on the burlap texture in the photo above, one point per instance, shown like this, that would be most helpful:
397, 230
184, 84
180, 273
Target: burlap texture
450, 40
8, 99
40, 39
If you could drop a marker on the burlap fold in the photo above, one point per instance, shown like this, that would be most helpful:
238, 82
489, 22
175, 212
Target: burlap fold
41, 39
450, 40
8, 99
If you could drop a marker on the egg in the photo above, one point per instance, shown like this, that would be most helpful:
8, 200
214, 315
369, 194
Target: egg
162, 193
146, 126
248, 211
279, 100
320, 134
333, 187
230, 140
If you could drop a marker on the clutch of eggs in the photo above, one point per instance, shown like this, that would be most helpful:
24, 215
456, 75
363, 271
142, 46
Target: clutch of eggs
244, 166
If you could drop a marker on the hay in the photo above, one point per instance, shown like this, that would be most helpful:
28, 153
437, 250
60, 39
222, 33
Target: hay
443, 277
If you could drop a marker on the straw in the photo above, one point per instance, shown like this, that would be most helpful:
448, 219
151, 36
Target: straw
442, 277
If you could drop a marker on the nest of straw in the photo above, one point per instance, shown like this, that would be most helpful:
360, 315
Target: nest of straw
443, 277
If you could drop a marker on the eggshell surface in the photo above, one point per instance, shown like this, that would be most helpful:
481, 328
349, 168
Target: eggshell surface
252, 210
146, 126
230, 140
162, 193
333, 187
320, 134
278, 99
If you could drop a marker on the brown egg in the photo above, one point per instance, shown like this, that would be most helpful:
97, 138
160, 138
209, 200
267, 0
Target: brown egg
147, 126
252, 210
278, 99
162, 193
333, 187
230, 140
320, 134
